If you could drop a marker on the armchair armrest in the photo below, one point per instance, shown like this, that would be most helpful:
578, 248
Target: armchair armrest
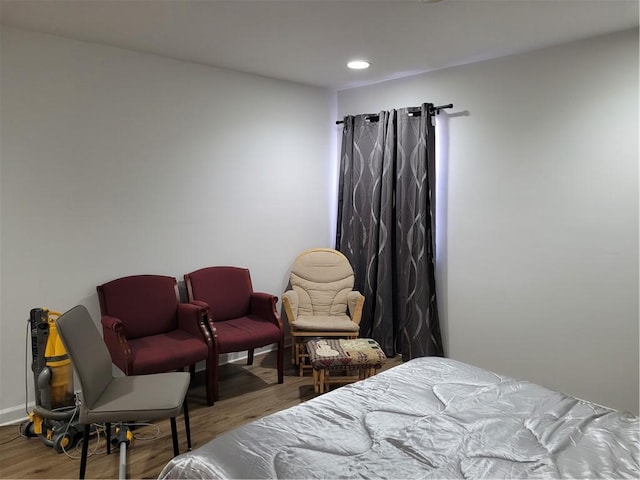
209, 327
193, 318
115, 337
355, 302
113, 323
263, 305
200, 303
290, 304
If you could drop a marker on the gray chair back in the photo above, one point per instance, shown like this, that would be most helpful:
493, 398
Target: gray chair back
87, 351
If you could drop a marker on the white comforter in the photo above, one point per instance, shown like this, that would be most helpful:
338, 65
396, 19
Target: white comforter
428, 418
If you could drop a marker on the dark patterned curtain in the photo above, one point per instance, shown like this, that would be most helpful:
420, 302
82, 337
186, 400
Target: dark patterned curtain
386, 227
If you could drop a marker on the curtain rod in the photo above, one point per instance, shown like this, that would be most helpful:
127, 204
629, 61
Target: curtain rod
432, 111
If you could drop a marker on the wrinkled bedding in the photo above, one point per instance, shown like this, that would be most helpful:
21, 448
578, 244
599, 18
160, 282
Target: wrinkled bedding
428, 418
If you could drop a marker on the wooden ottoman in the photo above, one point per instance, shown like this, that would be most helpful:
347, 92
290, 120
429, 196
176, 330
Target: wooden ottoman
360, 357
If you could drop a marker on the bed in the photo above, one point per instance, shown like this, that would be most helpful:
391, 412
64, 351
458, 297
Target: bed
427, 418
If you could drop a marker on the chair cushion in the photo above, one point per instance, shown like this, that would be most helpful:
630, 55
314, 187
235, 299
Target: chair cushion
148, 397
245, 333
81, 339
166, 351
345, 353
322, 280
338, 323
227, 290
323, 266
146, 304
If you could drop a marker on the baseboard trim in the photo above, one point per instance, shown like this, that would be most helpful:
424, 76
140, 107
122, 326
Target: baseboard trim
14, 415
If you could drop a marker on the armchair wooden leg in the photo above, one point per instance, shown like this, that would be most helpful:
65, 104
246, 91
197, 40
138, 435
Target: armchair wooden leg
250, 357
212, 380
281, 361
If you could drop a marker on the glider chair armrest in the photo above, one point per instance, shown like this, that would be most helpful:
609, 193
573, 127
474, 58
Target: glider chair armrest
194, 318
355, 302
115, 337
264, 306
290, 304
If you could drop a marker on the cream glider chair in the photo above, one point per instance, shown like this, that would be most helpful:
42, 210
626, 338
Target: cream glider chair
321, 302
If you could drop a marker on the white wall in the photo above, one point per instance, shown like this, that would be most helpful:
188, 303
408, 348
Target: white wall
114, 163
538, 215
117, 163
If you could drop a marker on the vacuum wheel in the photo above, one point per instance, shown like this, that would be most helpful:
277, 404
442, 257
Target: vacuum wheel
62, 441
27, 430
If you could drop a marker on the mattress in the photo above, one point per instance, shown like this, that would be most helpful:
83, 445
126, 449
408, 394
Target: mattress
427, 418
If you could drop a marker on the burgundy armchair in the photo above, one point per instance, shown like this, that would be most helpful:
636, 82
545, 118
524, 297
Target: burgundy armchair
147, 329
239, 318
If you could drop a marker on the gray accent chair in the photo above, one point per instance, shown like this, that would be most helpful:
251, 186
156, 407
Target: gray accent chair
108, 399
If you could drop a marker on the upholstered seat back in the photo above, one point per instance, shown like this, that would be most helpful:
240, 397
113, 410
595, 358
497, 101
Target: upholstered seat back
322, 278
146, 304
81, 339
227, 291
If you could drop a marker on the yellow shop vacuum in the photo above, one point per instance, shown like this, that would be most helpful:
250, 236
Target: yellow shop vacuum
54, 417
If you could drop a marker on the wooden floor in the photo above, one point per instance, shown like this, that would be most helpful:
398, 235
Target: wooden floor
246, 394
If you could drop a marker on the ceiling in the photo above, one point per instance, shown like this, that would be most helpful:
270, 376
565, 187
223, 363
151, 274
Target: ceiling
310, 41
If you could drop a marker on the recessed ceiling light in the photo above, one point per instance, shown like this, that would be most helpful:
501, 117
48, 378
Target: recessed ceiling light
358, 64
